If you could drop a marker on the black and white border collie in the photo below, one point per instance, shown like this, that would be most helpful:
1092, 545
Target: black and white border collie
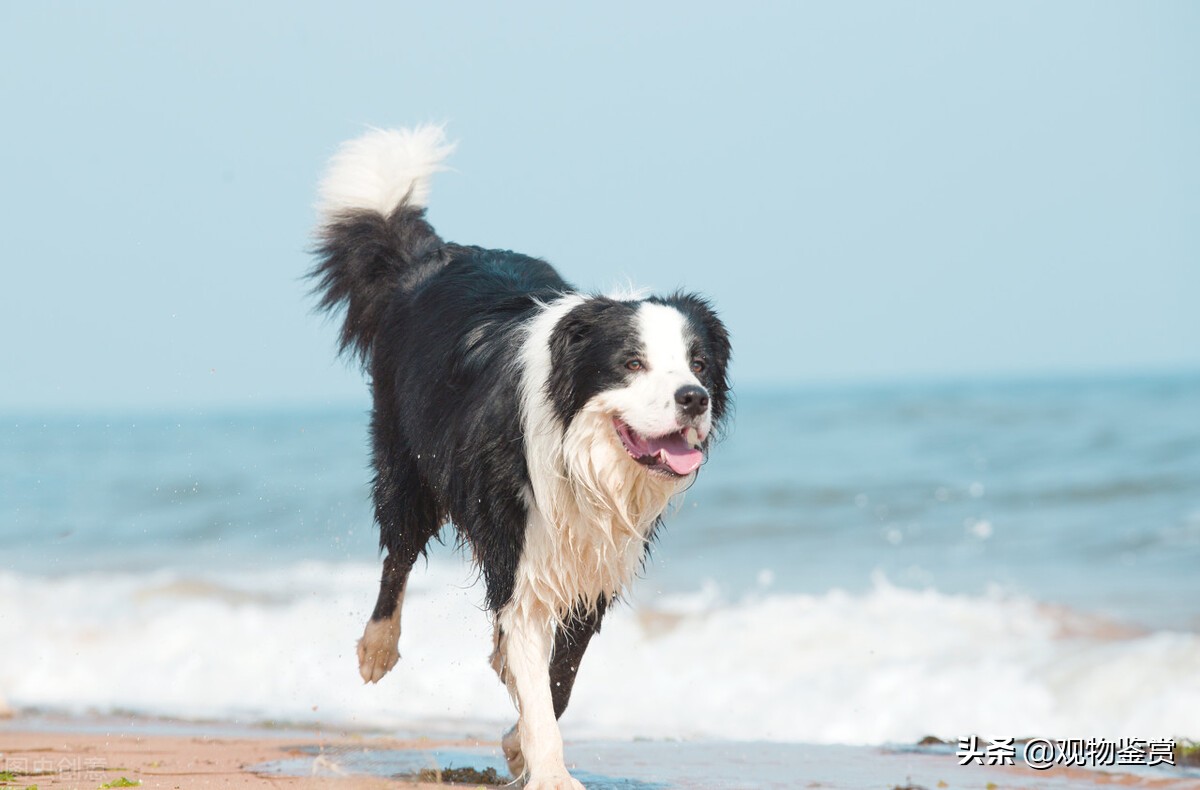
551, 427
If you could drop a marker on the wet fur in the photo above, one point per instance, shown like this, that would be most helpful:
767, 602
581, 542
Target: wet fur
495, 384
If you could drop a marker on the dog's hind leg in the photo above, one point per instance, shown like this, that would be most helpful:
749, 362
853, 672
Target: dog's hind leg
510, 743
408, 517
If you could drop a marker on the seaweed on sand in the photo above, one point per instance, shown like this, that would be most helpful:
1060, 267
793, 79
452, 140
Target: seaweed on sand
469, 776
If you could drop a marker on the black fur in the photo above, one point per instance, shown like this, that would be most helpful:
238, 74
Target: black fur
364, 257
570, 642
438, 326
588, 350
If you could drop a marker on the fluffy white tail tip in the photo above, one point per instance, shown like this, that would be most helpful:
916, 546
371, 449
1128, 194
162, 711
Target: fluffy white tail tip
379, 169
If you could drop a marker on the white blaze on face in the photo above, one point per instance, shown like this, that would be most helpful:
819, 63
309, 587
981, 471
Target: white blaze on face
647, 404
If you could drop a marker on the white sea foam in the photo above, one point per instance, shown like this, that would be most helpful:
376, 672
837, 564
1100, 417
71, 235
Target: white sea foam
889, 665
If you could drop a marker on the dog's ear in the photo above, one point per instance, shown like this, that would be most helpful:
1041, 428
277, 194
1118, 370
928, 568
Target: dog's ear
579, 367
568, 350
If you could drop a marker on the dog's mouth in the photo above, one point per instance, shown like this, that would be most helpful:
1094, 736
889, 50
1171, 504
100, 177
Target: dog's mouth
675, 453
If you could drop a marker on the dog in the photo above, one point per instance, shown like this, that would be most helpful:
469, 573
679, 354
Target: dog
550, 426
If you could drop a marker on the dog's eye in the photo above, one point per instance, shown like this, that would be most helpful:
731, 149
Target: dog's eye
635, 364
698, 366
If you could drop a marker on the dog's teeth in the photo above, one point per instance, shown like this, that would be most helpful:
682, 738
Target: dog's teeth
692, 437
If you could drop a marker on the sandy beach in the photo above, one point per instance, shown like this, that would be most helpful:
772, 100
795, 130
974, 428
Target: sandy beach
92, 753
98, 752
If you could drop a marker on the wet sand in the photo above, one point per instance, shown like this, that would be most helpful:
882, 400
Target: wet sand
158, 755
88, 752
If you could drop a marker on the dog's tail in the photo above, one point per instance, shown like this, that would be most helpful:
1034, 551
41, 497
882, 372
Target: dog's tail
373, 231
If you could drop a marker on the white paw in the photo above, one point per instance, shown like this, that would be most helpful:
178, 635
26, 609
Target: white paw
553, 781
378, 650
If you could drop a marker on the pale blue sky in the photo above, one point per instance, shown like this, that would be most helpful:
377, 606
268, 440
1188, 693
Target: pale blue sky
867, 190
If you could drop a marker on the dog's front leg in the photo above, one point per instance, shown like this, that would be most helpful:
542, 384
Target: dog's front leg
525, 641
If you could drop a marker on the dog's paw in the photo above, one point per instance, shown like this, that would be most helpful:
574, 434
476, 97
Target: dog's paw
554, 781
378, 650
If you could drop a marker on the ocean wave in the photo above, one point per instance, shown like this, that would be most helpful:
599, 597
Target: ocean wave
889, 665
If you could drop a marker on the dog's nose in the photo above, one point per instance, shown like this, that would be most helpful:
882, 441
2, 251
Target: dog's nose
692, 400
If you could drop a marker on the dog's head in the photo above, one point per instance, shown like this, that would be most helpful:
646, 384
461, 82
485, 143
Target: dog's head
649, 375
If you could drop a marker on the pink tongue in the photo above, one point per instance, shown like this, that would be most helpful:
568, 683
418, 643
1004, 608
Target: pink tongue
676, 453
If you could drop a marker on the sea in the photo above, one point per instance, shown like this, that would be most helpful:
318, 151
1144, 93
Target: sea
863, 564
